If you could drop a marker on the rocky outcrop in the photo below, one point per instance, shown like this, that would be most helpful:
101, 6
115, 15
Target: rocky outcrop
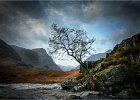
36, 57
69, 84
117, 79
73, 84
6, 51
118, 74
131, 42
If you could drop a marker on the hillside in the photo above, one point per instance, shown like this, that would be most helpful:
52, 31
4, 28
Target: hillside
118, 74
36, 57
6, 51
45, 59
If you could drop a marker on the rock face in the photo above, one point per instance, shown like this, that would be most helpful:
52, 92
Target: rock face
118, 74
6, 51
36, 57
117, 79
133, 41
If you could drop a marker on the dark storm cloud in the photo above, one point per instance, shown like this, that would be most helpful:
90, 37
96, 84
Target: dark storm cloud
92, 12
28, 21
128, 13
21, 23
32, 8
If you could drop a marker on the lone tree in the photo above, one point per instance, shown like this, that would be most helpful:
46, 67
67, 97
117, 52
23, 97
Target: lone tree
74, 43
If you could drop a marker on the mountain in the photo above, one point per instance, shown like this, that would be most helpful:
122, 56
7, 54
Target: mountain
45, 59
36, 57
66, 68
6, 51
98, 56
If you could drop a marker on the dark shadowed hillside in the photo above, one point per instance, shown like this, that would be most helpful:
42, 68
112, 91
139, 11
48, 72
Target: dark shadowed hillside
36, 57
45, 59
6, 51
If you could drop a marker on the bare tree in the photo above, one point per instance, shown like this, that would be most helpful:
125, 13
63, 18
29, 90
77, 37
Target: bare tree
74, 43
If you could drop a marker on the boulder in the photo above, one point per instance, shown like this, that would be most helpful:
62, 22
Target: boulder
69, 84
74, 85
81, 86
118, 74
119, 78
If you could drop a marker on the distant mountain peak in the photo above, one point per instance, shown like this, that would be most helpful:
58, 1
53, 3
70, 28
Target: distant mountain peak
39, 49
98, 56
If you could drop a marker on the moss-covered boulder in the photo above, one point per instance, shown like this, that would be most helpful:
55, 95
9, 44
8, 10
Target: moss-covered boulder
117, 74
117, 79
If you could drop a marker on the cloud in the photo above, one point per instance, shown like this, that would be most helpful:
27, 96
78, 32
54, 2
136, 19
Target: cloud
21, 29
92, 12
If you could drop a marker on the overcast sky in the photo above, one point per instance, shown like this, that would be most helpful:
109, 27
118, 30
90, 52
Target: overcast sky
27, 24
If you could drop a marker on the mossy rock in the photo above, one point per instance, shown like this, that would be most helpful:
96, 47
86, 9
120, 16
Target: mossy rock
117, 74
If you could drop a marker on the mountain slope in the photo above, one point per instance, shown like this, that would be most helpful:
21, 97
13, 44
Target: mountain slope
45, 59
27, 56
96, 57
36, 57
6, 51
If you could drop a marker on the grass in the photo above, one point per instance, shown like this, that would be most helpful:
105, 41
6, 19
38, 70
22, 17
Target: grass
98, 74
11, 73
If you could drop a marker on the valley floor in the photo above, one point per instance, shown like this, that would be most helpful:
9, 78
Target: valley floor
12, 71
